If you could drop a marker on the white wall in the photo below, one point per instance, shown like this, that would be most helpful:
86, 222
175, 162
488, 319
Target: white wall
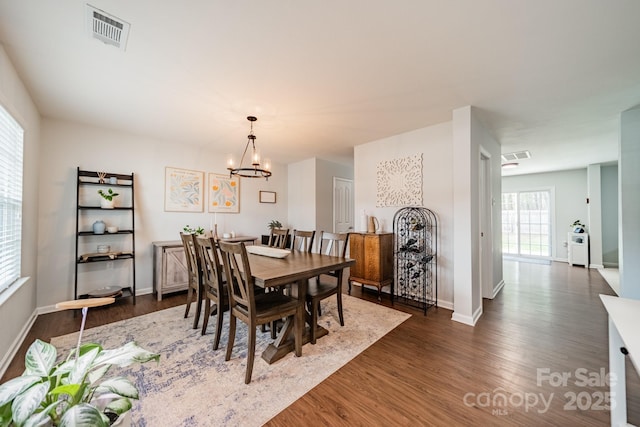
610, 215
434, 143
629, 181
325, 172
68, 145
490, 146
311, 193
569, 193
302, 201
18, 305
594, 212
470, 138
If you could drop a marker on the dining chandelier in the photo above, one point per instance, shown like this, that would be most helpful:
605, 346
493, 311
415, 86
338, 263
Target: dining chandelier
255, 170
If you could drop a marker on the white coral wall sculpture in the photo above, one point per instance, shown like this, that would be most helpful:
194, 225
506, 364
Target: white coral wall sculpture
399, 182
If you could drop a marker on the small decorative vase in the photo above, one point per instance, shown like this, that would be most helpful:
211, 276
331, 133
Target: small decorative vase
106, 204
99, 227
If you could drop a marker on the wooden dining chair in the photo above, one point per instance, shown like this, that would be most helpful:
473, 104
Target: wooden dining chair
278, 237
194, 268
334, 244
214, 285
251, 308
302, 240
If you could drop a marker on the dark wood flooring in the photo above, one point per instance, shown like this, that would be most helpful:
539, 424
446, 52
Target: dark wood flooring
548, 321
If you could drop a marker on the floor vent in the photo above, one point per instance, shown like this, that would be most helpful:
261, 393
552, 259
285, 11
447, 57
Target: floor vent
517, 155
107, 28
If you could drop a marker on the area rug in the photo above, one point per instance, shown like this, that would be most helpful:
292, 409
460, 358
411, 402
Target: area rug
194, 386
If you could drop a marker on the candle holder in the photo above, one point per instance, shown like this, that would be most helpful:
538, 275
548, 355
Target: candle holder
214, 233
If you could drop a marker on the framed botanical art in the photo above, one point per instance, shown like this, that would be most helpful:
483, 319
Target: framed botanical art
183, 190
224, 193
267, 197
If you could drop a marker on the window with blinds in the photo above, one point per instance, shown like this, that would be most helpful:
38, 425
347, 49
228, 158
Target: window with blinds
11, 143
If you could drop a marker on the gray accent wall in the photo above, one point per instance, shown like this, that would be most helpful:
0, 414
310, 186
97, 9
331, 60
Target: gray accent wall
609, 176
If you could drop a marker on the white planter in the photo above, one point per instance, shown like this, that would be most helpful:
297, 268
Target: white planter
106, 204
123, 420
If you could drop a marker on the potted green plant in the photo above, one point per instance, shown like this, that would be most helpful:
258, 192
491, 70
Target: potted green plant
188, 230
274, 223
71, 392
107, 202
578, 226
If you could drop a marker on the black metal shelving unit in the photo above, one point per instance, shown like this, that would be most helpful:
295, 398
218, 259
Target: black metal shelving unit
125, 182
415, 257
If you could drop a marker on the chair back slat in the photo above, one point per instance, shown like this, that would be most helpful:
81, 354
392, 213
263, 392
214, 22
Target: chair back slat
193, 262
334, 244
211, 268
302, 240
278, 237
238, 272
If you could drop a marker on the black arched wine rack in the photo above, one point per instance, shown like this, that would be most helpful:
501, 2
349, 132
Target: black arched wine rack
415, 256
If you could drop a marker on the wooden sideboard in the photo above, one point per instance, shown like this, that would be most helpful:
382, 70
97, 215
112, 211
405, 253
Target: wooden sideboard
170, 273
374, 259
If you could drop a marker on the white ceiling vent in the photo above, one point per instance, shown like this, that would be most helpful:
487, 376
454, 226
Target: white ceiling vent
107, 28
517, 155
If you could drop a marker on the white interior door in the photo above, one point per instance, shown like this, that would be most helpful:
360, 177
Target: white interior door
342, 205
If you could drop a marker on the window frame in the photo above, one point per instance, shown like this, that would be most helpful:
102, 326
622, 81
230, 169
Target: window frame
11, 201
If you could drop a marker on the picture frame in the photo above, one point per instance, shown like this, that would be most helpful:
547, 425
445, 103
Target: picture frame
183, 190
224, 193
267, 196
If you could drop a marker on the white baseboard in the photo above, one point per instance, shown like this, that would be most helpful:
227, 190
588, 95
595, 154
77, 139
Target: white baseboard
497, 289
15, 345
144, 291
445, 304
596, 266
468, 320
610, 264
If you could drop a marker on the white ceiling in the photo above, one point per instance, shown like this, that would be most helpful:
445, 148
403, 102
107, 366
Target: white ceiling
549, 76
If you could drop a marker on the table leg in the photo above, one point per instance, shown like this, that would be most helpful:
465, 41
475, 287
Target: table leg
285, 341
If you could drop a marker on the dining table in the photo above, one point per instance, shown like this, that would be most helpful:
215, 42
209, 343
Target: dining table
295, 268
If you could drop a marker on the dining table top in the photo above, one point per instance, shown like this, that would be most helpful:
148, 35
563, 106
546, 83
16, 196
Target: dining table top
272, 272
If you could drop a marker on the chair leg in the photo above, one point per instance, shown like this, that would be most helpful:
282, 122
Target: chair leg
189, 301
216, 341
251, 352
207, 313
339, 295
232, 336
196, 319
349, 287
